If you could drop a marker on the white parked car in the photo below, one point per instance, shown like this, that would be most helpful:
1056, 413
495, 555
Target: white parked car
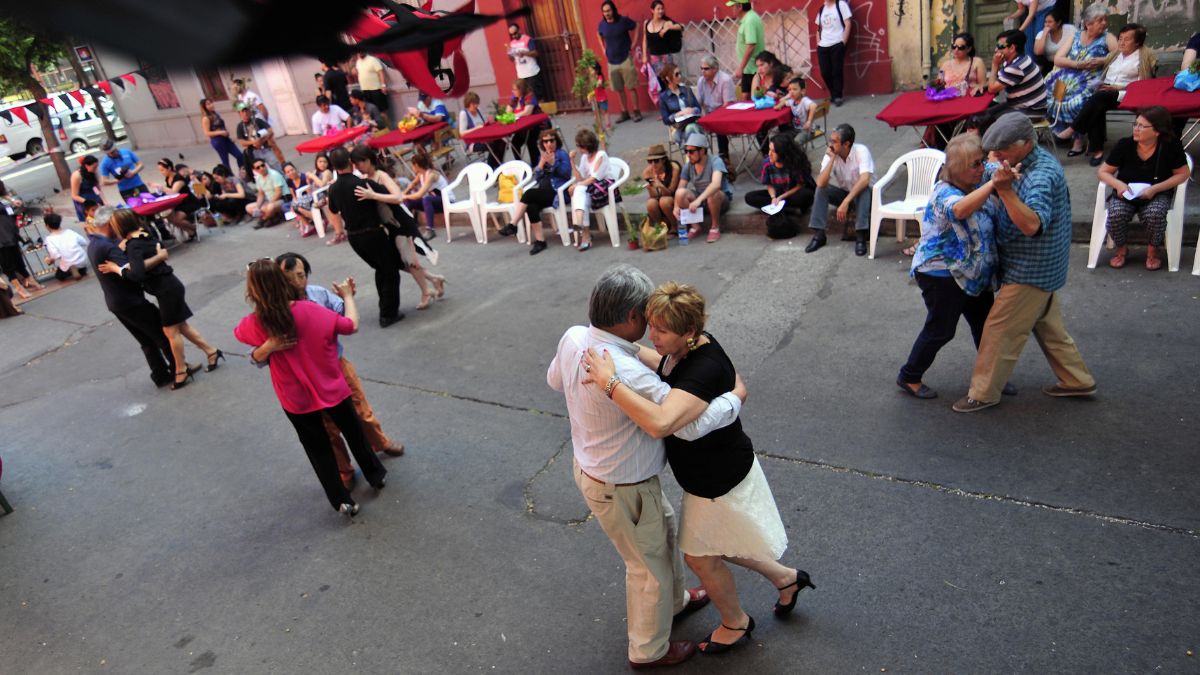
77, 130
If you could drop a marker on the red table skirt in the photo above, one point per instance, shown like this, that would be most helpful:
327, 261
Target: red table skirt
1161, 91
148, 209
397, 137
726, 122
326, 143
493, 131
912, 109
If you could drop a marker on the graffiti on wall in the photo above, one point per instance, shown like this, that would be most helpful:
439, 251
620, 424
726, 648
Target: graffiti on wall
1175, 10
867, 38
1169, 23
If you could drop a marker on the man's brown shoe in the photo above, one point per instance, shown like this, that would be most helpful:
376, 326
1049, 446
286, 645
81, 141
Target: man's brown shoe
697, 599
1059, 390
394, 450
967, 404
678, 651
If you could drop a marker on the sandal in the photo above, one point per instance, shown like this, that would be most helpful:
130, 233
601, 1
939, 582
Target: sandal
426, 299
587, 245
1118, 259
1153, 263
439, 286
910, 251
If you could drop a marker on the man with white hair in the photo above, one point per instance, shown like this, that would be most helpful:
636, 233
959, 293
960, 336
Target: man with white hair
715, 90
1033, 234
617, 464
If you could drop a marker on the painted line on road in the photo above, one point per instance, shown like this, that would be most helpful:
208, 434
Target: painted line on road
972, 494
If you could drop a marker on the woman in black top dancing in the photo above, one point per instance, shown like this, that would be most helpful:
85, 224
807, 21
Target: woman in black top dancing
146, 267
729, 513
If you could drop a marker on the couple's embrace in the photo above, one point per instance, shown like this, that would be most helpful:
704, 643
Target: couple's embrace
620, 408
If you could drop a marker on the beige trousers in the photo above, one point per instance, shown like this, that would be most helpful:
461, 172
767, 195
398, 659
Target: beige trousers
641, 524
372, 429
1018, 310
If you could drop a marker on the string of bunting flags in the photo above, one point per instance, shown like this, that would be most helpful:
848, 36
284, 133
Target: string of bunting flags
69, 99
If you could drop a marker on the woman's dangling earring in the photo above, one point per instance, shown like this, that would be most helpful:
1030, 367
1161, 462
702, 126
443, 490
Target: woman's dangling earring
691, 343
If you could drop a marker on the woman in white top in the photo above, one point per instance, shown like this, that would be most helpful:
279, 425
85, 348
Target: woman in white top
1130, 62
1032, 14
365, 162
590, 169
1055, 32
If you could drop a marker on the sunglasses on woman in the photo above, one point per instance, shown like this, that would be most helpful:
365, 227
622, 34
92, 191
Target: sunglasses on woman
963, 48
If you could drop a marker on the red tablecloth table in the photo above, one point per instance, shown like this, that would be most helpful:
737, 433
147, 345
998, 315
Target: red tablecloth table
494, 131
326, 143
726, 122
1162, 91
912, 109
398, 137
151, 209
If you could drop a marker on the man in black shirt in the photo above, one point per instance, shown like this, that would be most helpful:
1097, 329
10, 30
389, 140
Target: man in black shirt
367, 235
127, 302
336, 85
255, 137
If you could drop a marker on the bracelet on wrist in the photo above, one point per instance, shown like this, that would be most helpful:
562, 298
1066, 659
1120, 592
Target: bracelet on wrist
611, 386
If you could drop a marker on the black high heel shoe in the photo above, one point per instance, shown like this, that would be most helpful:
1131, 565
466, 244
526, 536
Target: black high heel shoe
187, 377
707, 646
800, 583
216, 359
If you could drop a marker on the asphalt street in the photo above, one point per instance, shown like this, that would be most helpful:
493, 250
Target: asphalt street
184, 532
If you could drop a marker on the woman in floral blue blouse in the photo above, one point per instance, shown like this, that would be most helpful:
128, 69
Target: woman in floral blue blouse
955, 263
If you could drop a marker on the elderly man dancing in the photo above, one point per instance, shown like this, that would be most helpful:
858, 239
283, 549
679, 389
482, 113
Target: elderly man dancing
1033, 233
617, 464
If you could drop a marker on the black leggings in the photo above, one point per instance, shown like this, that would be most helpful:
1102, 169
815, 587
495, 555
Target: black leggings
801, 199
537, 199
311, 430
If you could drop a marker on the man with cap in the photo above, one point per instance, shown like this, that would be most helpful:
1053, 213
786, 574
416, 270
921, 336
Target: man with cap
1033, 234
702, 184
126, 300
849, 166
121, 167
255, 137
751, 40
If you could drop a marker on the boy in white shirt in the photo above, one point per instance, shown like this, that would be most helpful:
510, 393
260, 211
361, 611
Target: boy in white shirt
66, 248
804, 110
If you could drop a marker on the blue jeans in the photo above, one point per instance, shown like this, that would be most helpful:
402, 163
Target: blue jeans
225, 149
831, 195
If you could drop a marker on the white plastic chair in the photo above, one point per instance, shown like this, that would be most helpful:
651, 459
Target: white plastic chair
620, 172
561, 224
1174, 226
923, 168
478, 176
524, 175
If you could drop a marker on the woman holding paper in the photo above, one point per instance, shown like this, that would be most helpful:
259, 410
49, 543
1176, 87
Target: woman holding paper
787, 176
677, 104
1143, 171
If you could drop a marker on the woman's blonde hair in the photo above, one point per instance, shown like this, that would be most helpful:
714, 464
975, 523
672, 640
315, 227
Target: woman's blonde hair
961, 151
677, 307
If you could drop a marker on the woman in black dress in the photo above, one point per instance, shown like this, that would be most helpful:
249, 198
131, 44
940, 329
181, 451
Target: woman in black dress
174, 184
729, 514
147, 266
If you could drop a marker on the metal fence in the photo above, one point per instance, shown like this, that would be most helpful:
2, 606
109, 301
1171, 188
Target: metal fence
787, 36
557, 55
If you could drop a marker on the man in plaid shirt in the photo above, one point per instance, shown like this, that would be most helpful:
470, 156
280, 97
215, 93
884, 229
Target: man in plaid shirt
1033, 233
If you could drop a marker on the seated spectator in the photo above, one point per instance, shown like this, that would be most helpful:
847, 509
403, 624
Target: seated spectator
662, 176
472, 119
787, 175
959, 69
522, 104
702, 184
1154, 157
173, 183
254, 136
228, 196
772, 76
329, 118
363, 112
552, 171
431, 110
956, 262
424, 193
65, 249
1130, 62
1055, 32
1080, 64
1014, 73
715, 90
592, 180
845, 180
677, 105
804, 111
302, 205
273, 191
1189, 53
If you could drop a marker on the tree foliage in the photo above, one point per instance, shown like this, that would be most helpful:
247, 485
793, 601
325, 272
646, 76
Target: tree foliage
22, 48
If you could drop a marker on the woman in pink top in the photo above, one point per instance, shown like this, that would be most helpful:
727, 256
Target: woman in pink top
301, 338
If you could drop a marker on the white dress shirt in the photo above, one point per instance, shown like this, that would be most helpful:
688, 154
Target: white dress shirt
608, 445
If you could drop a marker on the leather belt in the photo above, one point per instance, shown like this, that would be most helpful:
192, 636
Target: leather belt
604, 482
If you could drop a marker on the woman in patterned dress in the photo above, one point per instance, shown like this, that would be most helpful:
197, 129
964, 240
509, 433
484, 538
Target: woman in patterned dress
1080, 64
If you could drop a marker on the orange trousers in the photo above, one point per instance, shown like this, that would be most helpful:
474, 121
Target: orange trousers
371, 427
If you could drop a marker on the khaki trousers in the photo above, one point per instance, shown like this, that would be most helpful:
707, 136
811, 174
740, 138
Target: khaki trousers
640, 522
372, 429
1019, 309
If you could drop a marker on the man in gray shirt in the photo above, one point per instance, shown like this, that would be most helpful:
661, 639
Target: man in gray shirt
702, 184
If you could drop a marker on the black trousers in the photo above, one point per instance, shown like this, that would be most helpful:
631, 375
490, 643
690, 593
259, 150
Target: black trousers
229, 206
310, 428
802, 199
832, 61
380, 100
378, 250
538, 84
63, 276
1092, 118
536, 199
945, 302
144, 323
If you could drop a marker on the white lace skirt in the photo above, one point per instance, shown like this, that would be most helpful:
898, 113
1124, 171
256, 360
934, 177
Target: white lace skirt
744, 522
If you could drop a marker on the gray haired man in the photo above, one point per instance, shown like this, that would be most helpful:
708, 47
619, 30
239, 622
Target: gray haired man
844, 180
617, 464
